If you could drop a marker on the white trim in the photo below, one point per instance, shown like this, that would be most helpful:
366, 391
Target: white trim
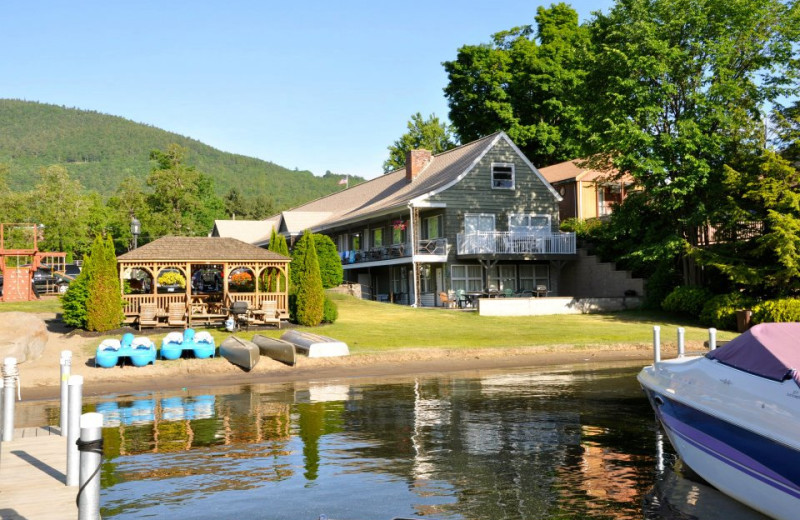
513, 175
529, 214
492, 215
461, 176
489, 146
531, 166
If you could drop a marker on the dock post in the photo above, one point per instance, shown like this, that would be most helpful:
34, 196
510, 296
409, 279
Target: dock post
712, 338
681, 343
73, 428
656, 344
91, 450
10, 381
66, 368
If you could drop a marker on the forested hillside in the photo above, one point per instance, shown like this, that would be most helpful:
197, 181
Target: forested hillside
101, 150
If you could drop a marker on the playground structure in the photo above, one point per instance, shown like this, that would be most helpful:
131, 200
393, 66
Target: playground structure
20, 258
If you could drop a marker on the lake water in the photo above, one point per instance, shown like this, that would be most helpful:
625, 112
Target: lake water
561, 443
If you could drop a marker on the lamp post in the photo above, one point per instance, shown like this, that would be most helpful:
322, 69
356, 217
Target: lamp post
136, 228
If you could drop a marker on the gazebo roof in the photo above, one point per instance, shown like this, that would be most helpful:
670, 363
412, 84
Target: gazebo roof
200, 249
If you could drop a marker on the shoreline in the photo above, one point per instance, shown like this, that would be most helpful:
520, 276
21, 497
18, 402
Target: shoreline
40, 378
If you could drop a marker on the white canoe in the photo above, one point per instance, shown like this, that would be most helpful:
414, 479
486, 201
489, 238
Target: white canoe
314, 345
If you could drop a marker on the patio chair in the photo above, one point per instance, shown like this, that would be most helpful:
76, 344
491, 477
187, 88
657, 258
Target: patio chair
147, 315
508, 293
461, 298
176, 315
268, 313
446, 301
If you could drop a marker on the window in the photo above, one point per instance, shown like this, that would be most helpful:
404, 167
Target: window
502, 277
399, 280
466, 278
377, 237
356, 241
478, 223
531, 275
432, 227
503, 176
529, 223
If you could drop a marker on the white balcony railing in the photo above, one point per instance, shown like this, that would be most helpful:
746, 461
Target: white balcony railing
515, 243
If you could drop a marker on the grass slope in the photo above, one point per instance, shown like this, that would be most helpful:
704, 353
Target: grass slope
101, 150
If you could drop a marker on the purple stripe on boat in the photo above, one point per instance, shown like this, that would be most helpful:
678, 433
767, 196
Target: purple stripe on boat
729, 455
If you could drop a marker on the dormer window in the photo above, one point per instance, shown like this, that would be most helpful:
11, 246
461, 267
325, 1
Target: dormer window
502, 176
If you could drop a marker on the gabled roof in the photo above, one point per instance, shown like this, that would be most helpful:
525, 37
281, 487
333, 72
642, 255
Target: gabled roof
572, 171
295, 222
204, 249
391, 192
250, 231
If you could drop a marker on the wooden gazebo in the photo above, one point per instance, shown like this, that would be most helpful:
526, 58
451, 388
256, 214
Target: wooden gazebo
242, 272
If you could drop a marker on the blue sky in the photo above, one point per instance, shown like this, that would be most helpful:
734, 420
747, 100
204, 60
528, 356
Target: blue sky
313, 85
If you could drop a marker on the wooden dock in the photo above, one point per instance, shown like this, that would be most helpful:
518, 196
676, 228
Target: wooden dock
32, 477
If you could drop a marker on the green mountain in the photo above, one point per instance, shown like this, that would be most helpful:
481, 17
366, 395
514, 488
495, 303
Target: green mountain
101, 150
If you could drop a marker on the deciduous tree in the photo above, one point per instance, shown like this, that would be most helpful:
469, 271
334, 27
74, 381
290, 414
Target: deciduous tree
430, 134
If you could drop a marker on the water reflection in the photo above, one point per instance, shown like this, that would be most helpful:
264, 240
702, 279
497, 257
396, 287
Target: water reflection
514, 446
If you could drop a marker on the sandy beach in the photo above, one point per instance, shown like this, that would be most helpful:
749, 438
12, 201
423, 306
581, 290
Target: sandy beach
40, 378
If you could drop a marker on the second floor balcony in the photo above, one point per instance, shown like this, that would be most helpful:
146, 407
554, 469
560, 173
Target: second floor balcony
515, 243
431, 250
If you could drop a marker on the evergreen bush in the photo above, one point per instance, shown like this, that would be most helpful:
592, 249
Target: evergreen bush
74, 300
783, 310
720, 311
685, 300
330, 263
104, 302
310, 294
330, 311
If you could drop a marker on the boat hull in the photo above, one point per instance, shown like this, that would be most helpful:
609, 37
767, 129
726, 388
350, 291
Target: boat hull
240, 352
276, 349
721, 429
314, 345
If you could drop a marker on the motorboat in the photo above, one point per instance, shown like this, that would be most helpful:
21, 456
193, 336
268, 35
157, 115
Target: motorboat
733, 415
275, 348
241, 352
315, 345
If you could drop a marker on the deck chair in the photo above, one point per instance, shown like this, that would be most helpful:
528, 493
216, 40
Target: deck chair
147, 315
176, 315
446, 301
268, 313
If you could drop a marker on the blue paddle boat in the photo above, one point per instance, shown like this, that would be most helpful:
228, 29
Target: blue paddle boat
201, 344
140, 350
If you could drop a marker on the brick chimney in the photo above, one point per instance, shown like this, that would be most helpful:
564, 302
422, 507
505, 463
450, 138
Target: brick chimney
416, 161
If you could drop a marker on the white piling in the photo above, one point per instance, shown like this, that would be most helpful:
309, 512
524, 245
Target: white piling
656, 344
712, 338
91, 451
10, 383
74, 405
681, 343
66, 368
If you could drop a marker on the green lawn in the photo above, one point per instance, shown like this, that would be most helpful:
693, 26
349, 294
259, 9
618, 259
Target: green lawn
373, 327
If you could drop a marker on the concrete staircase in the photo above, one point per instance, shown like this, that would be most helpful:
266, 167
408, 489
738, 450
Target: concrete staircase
588, 277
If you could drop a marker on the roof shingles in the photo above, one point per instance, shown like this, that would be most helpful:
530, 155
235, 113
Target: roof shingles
207, 249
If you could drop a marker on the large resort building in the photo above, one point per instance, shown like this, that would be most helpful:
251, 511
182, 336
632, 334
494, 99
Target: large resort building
477, 219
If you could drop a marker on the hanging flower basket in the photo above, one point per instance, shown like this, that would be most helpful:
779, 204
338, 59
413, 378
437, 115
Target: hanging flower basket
399, 224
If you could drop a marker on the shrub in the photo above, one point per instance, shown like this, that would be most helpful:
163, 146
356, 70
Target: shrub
720, 311
330, 264
686, 300
310, 295
74, 300
330, 312
584, 229
787, 309
104, 303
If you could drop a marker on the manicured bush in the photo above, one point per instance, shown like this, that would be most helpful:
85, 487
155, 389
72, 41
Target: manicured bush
720, 311
330, 312
74, 300
685, 300
330, 264
104, 303
310, 294
784, 310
